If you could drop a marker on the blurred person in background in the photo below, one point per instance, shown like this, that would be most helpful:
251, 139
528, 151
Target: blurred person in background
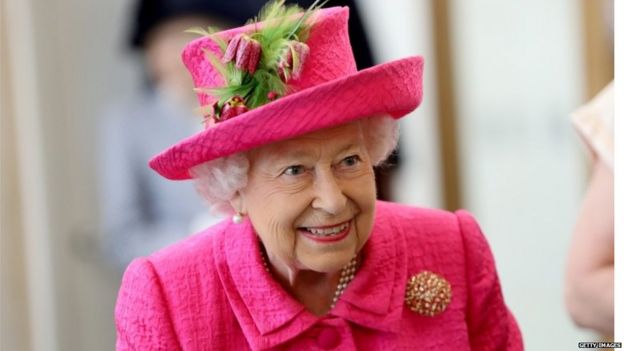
141, 212
589, 276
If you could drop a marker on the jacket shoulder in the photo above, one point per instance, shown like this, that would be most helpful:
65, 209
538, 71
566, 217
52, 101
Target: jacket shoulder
419, 223
191, 265
142, 316
185, 276
452, 245
434, 239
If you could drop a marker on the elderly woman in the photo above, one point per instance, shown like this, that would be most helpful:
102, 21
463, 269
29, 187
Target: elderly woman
309, 259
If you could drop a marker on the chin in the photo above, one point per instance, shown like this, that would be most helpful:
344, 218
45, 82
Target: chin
326, 267
330, 262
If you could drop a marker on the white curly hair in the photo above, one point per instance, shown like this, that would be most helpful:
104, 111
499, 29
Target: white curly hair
217, 181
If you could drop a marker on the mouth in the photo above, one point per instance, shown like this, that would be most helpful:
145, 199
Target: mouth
328, 233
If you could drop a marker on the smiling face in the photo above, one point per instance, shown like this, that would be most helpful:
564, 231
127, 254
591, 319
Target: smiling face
311, 199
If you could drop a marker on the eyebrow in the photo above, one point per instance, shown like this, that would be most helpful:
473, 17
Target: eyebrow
348, 147
301, 154
289, 155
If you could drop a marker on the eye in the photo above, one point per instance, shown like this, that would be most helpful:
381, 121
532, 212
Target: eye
294, 170
351, 161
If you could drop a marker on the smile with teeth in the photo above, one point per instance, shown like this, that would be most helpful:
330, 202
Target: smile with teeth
328, 231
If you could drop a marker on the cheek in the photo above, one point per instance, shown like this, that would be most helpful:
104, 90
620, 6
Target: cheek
363, 194
274, 215
363, 190
278, 209
273, 227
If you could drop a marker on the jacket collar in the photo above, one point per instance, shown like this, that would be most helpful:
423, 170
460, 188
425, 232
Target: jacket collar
374, 298
266, 313
269, 316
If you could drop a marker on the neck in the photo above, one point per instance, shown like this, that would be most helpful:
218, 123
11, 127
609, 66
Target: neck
294, 277
315, 290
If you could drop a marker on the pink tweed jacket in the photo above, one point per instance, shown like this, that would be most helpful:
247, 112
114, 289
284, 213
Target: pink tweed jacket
211, 292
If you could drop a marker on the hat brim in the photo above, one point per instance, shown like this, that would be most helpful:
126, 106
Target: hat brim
393, 88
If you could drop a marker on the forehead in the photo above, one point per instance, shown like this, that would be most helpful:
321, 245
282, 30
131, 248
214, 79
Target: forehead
328, 140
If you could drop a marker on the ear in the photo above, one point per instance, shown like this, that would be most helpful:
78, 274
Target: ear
238, 203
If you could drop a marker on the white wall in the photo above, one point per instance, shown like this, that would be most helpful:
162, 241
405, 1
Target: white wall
64, 64
83, 68
519, 75
397, 29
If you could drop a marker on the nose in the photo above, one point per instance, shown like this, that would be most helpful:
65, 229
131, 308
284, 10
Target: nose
329, 195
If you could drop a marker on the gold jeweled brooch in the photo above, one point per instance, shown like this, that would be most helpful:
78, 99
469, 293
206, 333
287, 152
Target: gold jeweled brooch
427, 293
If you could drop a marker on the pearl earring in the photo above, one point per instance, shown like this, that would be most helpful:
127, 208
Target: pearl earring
237, 218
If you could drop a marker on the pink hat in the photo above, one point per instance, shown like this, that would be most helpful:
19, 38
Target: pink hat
322, 89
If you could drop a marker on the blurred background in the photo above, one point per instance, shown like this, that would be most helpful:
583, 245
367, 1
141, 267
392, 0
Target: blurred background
493, 135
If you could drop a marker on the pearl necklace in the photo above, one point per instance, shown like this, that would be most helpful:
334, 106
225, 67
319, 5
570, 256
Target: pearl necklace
346, 275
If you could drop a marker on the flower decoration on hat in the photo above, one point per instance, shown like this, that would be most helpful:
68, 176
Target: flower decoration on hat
258, 65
